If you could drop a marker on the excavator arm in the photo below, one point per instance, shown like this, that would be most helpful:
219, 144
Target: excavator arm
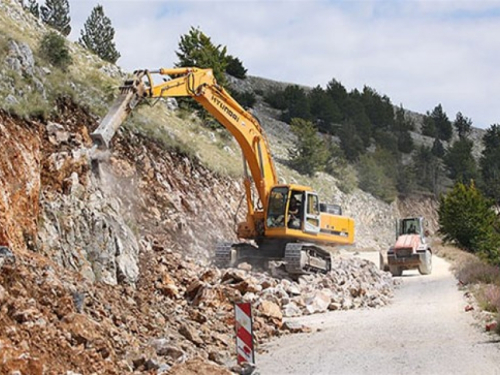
200, 84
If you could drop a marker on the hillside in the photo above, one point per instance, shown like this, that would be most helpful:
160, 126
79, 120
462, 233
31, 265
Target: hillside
111, 273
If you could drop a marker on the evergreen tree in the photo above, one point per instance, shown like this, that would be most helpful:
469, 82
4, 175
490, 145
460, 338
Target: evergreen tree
235, 67
403, 124
438, 148
462, 125
339, 168
354, 113
297, 105
275, 97
460, 162
338, 93
310, 153
428, 169
429, 126
405, 142
33, 8
55, 13
490, 163
246, 99
444, 128
379, 109
376, 172
324, 111
350, 142
466, 219
98, 34
197, 49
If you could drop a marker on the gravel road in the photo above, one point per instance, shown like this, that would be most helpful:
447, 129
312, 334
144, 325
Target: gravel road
424, 331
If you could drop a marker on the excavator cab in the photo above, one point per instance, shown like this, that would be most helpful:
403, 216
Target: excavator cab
295, 209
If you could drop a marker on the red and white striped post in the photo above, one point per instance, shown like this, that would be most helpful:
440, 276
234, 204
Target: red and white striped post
244, 332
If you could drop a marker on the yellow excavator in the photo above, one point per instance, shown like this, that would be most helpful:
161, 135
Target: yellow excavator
286, 222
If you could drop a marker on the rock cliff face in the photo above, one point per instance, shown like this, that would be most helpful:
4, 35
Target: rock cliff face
107, 265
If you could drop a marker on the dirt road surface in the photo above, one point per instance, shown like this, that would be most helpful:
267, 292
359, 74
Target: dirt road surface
424, 331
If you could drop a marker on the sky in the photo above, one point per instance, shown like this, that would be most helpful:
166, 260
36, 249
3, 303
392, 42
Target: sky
418, 53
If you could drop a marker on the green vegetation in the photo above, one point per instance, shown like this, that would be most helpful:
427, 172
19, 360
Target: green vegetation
490, 163
462, 125
376, 175
338, 166
235, 67
54, 50
55, 13
197, 49
33, 8
479, 277
246, 99
466, 218
98, 34
459, 161
309, 154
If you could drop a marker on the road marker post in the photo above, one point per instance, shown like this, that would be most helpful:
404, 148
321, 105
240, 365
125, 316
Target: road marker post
244, 333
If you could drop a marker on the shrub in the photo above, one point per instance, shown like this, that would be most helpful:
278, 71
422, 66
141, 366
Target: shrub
275, 98
54, 50
489, 298
466, 218
374, 180
246, 99
473, 271
235, 67
309, 153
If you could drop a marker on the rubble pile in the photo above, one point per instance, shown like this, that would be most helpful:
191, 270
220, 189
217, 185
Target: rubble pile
98, 281
52, 319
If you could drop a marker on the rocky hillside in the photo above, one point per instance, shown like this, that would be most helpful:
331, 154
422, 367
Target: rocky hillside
108, 271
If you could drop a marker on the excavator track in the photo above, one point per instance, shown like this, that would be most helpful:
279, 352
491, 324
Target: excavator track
299, 258
225, 255
305, 258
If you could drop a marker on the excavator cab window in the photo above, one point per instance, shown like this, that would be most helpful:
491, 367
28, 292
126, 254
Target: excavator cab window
295, 210
277, 207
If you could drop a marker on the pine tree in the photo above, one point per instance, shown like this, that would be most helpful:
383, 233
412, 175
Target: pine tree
197, 49
460, 163
490, 163
324, 111
235, 67
310, 153
98, 34
297, 105
429, 126
55, 13
462, 125
438, 148
33, 8
443, 124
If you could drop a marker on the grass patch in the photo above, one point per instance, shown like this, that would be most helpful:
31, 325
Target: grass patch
488, 297
483, 279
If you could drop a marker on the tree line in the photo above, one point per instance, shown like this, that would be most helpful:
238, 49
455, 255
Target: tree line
97, 34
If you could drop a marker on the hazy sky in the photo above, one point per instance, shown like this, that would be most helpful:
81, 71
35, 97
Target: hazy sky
418, 53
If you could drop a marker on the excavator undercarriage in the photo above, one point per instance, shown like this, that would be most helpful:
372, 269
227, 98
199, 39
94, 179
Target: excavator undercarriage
298, 258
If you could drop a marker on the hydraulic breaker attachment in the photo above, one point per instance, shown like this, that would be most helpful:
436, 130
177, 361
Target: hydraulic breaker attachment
130, 95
